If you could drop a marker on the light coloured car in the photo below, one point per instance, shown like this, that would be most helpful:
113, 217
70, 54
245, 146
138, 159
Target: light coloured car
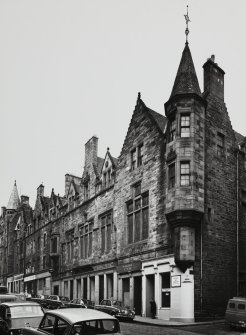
75, 321
235, 314
20, 314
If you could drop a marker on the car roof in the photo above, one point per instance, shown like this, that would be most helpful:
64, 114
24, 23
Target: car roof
238, 299
19, 303
74, 315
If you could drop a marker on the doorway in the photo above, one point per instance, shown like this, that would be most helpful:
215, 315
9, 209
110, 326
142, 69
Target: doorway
150, 292
137, 295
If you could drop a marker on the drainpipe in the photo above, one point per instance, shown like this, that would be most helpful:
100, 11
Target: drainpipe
237, 223
201, 255
240, 146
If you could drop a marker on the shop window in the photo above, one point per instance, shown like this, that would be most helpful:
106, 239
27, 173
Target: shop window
86, 239
171, 175
220, 144
138, 217
185, 125
165, 290
184, 174
106, 232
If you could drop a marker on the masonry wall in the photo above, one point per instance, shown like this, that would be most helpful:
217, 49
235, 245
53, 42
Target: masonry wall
151, 175
219, 226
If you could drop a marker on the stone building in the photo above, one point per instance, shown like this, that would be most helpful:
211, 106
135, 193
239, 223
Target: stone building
166, 219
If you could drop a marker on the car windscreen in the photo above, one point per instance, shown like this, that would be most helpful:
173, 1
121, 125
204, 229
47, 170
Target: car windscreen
25, 310
116, 303
103, 326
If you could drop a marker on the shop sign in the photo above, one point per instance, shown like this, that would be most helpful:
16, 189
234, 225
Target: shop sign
176, 281
43, 275
129, 267
29, 278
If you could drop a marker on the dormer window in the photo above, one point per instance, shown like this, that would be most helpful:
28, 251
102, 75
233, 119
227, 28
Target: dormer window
86, 190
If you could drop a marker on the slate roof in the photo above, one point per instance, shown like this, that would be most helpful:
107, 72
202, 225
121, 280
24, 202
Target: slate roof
239, 138
159, 119
186, 79
14, 199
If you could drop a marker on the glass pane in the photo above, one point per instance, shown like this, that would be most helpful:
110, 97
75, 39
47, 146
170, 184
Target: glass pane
145, 200
166, 280
137, 226
145, 231
109, 237
130, 207
103, 239
130, 228
137, 204
166, 295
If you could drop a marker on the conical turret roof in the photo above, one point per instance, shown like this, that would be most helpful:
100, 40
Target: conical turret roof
186, 80
14, 199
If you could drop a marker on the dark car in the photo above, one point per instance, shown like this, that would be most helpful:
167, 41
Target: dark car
115, 307
3, 289
55, 301
81, 302
19, 314
75, 321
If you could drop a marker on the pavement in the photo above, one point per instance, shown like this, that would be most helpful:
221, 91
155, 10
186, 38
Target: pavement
170, 323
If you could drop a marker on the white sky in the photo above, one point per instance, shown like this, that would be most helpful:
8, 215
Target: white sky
71, 69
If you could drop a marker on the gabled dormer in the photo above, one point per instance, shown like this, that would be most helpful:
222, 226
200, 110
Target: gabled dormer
108, 170
73, 195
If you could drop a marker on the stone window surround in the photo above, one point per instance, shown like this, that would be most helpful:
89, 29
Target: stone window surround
106, 230
136, 157
86, 232
138, 205
185, 173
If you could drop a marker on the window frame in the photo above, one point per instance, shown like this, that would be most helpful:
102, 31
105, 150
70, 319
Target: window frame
171, 175
137, 212
185, 173
106, 228
166, 289
220, 144
86, 239
136, 157
185, 125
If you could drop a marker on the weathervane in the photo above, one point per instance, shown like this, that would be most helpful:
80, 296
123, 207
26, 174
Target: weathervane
187, 20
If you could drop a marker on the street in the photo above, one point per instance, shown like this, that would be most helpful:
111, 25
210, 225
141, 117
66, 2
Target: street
141, 329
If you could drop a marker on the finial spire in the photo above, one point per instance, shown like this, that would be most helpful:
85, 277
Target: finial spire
187, 20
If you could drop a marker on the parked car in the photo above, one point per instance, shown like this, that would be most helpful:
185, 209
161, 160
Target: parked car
3, 289
115, 307
81, 302
73, 321
17, 315
236, 313
77, 303
55, 301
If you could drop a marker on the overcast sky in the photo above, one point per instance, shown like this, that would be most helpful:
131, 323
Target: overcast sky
71, 69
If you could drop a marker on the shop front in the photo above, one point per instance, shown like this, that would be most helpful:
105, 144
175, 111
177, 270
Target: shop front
171, 289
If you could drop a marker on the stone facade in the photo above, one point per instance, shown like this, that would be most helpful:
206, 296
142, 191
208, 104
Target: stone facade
164, 220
